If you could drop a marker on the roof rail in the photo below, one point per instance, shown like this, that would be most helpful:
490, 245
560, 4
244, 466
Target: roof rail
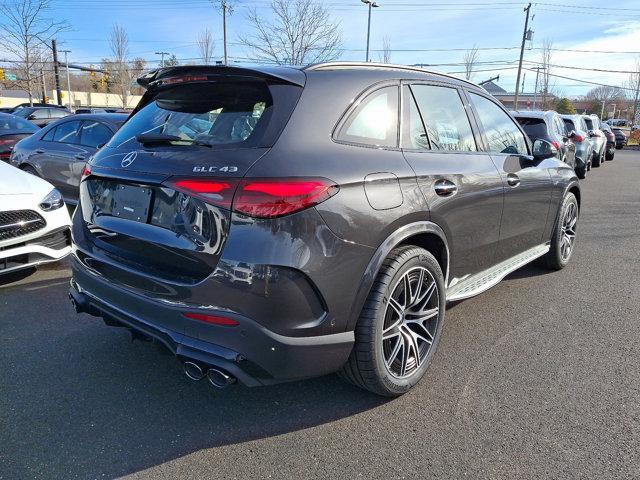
328, 65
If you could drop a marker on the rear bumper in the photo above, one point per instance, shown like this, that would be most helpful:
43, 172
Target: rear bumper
250, 352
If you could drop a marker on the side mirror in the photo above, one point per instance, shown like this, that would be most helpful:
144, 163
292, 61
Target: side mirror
572, 134
543, 150
31, 117
592, 133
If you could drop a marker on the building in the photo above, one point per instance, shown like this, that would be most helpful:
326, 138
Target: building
525, 100
11, 98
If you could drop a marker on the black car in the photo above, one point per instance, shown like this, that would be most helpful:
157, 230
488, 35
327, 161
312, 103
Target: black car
13, 129
59, 152
279, 223
549, 126
40, 115
611, 141
621, 138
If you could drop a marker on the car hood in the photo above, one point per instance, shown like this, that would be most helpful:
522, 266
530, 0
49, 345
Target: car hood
14, 181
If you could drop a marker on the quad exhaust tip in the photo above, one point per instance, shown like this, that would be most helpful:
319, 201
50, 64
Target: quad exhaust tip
216, 377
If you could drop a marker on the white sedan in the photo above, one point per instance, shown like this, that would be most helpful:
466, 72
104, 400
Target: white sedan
34, 222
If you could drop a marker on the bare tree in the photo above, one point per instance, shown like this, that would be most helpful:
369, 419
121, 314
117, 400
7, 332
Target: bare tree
206, 46
301, 32
121, 75
385, 55
633, 90
26, 33
470, 60
545, 81
603, 96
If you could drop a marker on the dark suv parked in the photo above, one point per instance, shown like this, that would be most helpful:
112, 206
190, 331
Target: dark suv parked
547, 125
278, 223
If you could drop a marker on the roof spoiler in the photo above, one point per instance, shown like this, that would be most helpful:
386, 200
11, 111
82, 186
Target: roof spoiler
284, 74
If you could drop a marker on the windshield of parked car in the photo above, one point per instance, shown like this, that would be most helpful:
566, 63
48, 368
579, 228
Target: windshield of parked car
205, 113
533, 127
569, 125
13, 123
589, 123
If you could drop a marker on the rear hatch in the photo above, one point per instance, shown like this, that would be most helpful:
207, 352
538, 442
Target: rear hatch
156, 199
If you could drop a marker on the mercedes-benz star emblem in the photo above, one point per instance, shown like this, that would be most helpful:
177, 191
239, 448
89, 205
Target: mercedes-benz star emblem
128, 159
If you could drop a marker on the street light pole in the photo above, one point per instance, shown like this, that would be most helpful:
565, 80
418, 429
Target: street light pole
524, 39
66, 61
224, 29
370, 5
162, 54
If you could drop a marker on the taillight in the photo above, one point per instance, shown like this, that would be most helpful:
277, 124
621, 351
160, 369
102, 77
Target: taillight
269, 198
86, 171
212, 319
7, 142
260, 198
216, 191
556, 145
578, 138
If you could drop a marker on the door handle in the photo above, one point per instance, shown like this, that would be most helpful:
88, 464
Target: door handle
513, 180
79, 156
445, 188
39, 150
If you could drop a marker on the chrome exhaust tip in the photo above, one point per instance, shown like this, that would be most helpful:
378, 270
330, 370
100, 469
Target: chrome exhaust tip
193, 371
219, 379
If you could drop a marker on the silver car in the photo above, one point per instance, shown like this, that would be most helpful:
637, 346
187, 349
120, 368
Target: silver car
598, 139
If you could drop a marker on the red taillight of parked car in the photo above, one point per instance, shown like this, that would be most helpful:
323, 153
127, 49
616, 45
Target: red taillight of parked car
212, 319
258, 197
86, 171
578, 138
7, 145
555, 144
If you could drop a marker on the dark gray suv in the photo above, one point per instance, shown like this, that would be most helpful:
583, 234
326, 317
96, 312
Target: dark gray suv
273, 224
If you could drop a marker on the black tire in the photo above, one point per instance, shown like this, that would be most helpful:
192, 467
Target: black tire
366, 366
556, 259
30, 169
609, 156
595, 160
581, 172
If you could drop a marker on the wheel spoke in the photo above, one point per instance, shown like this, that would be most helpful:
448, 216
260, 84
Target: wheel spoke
396, 307
392, 331
426, 296
423, 315
395, 351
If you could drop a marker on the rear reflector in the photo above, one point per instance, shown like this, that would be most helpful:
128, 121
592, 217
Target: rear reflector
212, 319
260, 198
86, 171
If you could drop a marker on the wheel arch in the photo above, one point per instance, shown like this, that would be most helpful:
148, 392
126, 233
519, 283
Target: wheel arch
427, 235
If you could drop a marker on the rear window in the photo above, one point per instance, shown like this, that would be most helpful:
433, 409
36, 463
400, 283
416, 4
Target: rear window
569, 124
222, 113
533, 127
12, 123
589, 123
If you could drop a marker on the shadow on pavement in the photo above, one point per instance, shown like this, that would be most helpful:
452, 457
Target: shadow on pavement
81, 400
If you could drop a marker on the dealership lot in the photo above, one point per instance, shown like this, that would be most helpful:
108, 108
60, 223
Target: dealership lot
538, 377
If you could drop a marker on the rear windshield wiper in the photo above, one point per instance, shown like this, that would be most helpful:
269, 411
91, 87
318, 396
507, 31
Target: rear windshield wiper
149, 138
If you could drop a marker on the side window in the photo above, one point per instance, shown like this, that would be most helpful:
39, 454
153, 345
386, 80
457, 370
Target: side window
414, 135
48, 137
40, 114
58, 113
503, 136
443, 112
67, 132
375, 121
94, 134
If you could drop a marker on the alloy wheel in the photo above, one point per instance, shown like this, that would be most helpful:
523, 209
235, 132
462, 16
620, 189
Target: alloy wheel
568, 237
410, 322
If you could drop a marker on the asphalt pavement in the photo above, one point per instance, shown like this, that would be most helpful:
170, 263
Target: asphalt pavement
537, 378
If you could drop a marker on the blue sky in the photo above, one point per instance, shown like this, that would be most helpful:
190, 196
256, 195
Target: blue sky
172, 26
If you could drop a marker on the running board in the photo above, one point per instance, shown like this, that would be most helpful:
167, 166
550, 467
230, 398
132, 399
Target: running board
479, 282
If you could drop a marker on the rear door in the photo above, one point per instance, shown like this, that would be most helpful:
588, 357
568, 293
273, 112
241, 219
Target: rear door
462, 187
527, 182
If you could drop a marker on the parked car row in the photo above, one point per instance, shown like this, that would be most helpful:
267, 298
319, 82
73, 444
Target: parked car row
582, 141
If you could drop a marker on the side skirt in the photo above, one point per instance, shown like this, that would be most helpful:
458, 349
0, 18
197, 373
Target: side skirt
479, 282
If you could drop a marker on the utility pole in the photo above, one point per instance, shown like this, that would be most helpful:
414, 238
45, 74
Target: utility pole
524, 38
223, 4
162, 54
66, 61
370, 4
44, 86
535, 91
635, 102
56, 72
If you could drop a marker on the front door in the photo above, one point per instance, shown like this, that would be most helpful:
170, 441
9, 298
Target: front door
527, 197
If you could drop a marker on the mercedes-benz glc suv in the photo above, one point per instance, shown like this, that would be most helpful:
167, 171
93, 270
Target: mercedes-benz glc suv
272, 224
